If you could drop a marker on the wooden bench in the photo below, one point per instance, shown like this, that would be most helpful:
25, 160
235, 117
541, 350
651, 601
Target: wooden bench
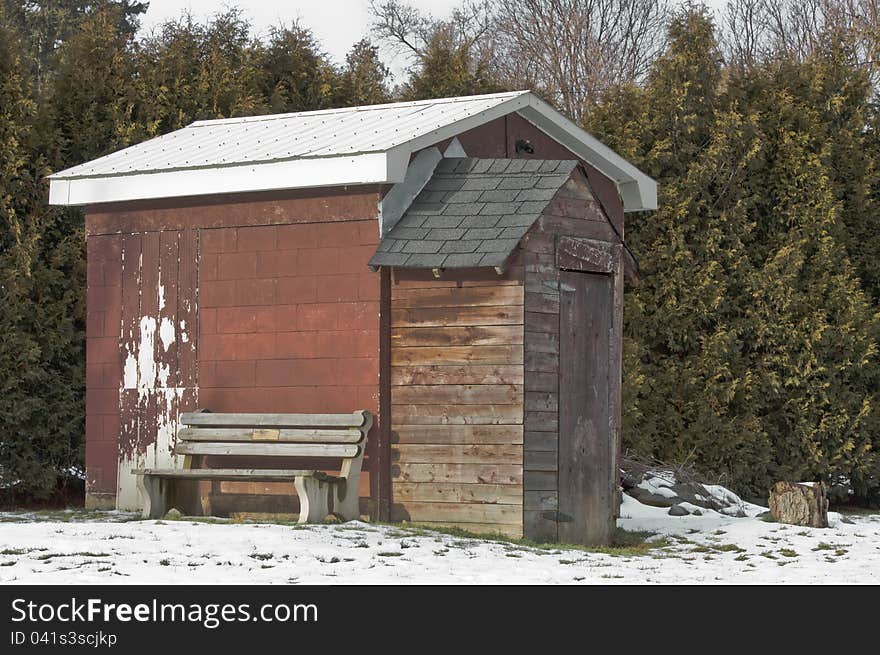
302, 436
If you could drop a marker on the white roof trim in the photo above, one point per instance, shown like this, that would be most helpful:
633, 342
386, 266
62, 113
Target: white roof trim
373, 168
637, 190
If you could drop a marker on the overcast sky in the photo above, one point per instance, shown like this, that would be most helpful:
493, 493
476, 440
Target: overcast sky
338, 24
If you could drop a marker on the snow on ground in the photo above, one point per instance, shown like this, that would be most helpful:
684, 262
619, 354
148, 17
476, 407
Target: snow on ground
112, 547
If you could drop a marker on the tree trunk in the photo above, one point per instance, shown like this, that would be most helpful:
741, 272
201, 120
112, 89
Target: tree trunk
800, 504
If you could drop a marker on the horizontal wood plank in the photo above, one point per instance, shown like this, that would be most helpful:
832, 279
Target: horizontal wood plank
452, 355
483, 335
267, 449
460, 513
541, 362
542, 342
444, 492
457, 374
353, 420
540, 460
270, 434
542, 381
546, 441
255, 475
542, 303
460, 473
461, 316
536, 401
457, 453
457, 434
542, 421
541, 481
461, 394
446, 414
540, 500
540, 322
457, 297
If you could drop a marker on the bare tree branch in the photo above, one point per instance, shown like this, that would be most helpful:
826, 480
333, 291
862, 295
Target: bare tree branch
574, 50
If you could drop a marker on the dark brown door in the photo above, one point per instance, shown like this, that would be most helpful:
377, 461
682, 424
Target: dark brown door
586, 451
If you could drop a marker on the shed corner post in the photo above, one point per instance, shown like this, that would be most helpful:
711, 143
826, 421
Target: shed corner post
383, 430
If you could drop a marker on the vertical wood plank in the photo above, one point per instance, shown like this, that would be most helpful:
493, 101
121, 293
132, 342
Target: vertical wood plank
129, 439
586, 448
384, 489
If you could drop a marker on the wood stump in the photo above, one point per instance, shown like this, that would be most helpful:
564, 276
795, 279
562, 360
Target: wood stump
800, 504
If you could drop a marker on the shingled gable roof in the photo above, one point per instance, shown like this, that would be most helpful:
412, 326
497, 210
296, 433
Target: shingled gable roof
472, 213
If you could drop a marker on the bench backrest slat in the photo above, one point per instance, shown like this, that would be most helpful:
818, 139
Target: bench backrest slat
265, 449
281, 435
353, 420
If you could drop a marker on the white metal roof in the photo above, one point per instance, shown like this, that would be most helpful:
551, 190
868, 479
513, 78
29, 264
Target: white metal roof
357, 145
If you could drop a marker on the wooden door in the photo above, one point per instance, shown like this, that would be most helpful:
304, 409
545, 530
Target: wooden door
587, 451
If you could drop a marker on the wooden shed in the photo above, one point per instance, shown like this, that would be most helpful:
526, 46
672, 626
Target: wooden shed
454, 266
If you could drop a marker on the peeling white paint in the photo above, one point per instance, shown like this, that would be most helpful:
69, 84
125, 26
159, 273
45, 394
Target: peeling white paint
149, 392
146, 362
156, 455
166, 333
130, 372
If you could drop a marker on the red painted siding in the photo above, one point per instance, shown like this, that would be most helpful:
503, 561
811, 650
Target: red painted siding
103, 367
275, 290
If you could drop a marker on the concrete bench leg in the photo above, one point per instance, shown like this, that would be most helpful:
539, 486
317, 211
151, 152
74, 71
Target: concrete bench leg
154, 493
314, 499
346, 502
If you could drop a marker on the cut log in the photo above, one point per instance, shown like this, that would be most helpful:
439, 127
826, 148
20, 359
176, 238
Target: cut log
800, 504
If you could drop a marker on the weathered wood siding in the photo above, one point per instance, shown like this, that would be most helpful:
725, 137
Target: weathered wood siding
575, 212
457, 399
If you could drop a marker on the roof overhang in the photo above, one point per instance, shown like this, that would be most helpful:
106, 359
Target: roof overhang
370, 168
637, 190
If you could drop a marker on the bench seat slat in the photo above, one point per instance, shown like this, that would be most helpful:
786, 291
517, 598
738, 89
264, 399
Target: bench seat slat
334, 436
353, 420
256, 475
265, 449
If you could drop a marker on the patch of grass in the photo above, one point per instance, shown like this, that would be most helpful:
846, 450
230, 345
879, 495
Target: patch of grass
164, 562
389, 553
768, 555
91, 554
741, 558
13, 551
624, 543
729, 548
12, 563
788, 552
261, 556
